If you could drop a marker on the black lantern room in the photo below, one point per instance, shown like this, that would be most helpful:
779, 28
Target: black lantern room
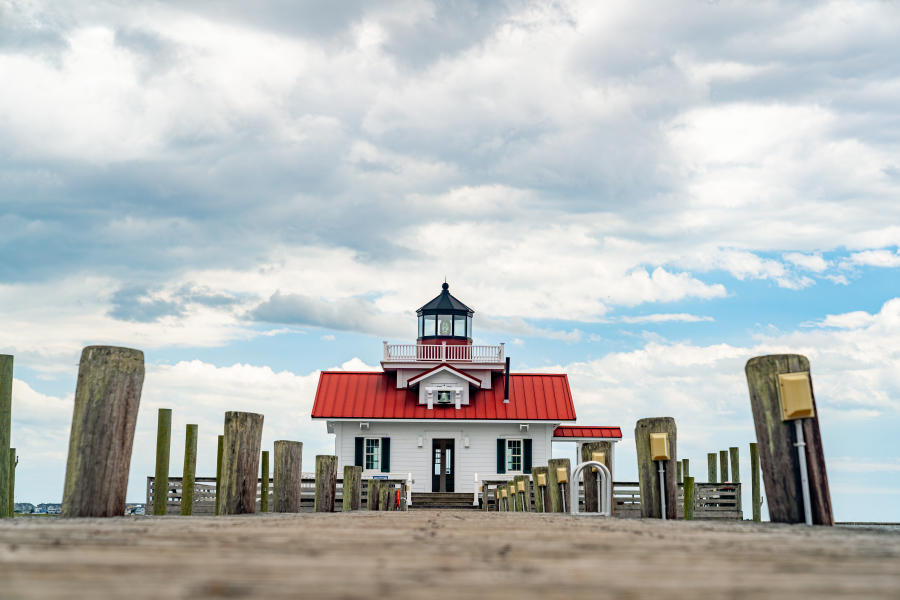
445, 318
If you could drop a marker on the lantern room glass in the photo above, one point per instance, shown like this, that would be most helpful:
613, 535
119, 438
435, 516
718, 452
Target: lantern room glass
430, 321
469, 326
459, 325
445, 325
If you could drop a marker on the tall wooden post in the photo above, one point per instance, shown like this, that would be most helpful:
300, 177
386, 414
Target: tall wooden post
541, 497
240, 462
756, 502
523, 503
372, 494
264, 484
163, 443
648, 469
686, 471
678, 475
219, 474
6, 377
723, 466
352, 489
688, 498
557, 502
326, 482
288, 475
711, 467
735, 464
107, 398
12, 481
591, 501
190, 470
777, 439
386, 497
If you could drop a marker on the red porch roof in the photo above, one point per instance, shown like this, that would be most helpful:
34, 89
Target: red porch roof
579, 431
374, 395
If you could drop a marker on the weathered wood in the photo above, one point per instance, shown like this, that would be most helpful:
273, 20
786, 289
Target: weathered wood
240, 462
352, 488
523, 498
6, 378
163, 445
107, 398
288, 473
678, 476
688, 498
756, 501
264, 487
515, 503
723, 466
326, 482
686, 471
385, 497
557, 502
648, 470
12, 481
541, 498
589, 476
733, 453
372, 494
776, 438
712, 475
190, 470
221, 443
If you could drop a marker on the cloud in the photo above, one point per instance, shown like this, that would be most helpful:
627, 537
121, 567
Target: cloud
666, 318
876, 258
349, 314
809, 262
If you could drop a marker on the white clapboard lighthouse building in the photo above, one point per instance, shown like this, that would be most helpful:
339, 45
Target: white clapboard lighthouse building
448, 411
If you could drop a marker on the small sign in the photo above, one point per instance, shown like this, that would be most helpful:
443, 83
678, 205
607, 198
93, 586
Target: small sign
379, 477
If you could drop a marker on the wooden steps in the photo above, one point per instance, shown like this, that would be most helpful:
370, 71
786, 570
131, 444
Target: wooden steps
442, 500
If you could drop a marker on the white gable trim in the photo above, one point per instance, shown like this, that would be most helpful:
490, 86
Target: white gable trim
443, 368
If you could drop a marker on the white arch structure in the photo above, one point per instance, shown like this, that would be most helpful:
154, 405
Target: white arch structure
605, 491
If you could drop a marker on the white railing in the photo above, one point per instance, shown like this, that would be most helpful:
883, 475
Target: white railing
442, 352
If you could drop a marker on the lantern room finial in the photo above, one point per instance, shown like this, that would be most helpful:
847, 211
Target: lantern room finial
445, 318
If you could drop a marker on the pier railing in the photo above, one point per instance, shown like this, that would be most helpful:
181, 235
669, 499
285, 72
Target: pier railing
442, 353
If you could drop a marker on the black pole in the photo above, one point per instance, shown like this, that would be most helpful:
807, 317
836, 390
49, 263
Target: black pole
506, 383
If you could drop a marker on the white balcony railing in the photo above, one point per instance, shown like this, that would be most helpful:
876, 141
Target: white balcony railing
442, 352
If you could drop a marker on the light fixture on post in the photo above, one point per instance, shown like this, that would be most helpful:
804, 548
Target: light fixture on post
659, 451
795, 395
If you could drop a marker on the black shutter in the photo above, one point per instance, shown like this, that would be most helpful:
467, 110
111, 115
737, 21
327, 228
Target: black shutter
358, 458
385, 455
501, 455
526, 456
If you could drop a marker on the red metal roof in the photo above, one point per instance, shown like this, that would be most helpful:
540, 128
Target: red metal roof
374, 395
579, 431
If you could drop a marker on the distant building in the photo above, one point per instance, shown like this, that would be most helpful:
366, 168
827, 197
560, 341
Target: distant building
48, 509
23, 508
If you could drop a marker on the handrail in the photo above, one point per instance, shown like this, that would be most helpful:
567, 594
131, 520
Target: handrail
443, 352
605, 491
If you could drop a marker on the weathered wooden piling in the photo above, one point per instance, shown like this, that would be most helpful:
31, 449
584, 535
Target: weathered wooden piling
522, 485
190, 470
678, 474
288, 476
648, 469
735, 464
777, 438
588, 450
558, 503
221, 441
107, 398
240, 462
326, 482
541, 499
756, 502
352, 488
163, 445
712, 471
372, 494
386, 497
12, 481
688, 498
686, 471
6, 377
264, 487
723, 466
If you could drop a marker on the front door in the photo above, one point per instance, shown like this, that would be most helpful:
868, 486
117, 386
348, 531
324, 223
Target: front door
442, 465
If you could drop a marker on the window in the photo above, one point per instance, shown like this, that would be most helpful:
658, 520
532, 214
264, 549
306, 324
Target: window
429, 325
373, 454
513, 456
459, 325
421, 325
445, 325
469, 326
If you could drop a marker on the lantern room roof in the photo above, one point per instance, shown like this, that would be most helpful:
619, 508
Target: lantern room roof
445, 302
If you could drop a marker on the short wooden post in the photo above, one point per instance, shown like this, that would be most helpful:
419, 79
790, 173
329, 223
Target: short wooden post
688, 498
288, 475
372, 494
240, 462
756, 502
385, 497
523, 503
777, 438
723, 466
591, 500
264, 483
107, 398
735, 464
326, 482
678, 476
190, 470
711, 467
12, 481
558, 503
219, 473
648, 469
6, 377
686, 471
485, 491
352, 490
541, 498
163, 444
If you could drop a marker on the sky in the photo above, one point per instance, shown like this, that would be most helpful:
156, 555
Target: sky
640, 195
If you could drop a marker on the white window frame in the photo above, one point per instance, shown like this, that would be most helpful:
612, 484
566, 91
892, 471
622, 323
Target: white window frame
507, 455
378, 454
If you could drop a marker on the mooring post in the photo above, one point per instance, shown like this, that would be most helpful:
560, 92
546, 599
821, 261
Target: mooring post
723, 466
264, 483
385, 497
735, 464
326, 482
107, 398
163, 444
288, 476
6, 377
372, 494
648, 469
557, 500
688, 498
541, 499
678, 475
686, 471
12, 481
755, 502
523, 502
190, 470
711, 467
221, 442
240, 462
600, 452
352, 488
769, 378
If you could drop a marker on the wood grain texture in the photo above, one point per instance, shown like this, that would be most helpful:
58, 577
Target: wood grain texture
734, 455
591, 502
723, 466
107, 399
240, 462
523, 499
648, 470
541, 499
686, 469
6, 379
326, 483
12, 481
264, 483
189, 472
712, 473
386, 497
776, 438
689, 495
556, 499
288, 473
221, 444
352, 488
163, 446
372, 494
755, 498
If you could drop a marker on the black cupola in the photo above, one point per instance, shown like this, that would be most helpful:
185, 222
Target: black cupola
445, 318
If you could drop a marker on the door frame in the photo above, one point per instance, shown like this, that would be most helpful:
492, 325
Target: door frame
442, 480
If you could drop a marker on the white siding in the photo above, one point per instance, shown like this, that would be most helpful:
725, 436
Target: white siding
407, 457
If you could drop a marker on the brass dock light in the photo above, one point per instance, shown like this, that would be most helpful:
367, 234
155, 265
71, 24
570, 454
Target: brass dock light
795, 397
659, 451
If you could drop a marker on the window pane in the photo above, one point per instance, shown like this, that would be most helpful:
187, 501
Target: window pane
430, 320
373, 454
514, 455
459, 325
421, 325
449, 460
445, 325
469, 326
